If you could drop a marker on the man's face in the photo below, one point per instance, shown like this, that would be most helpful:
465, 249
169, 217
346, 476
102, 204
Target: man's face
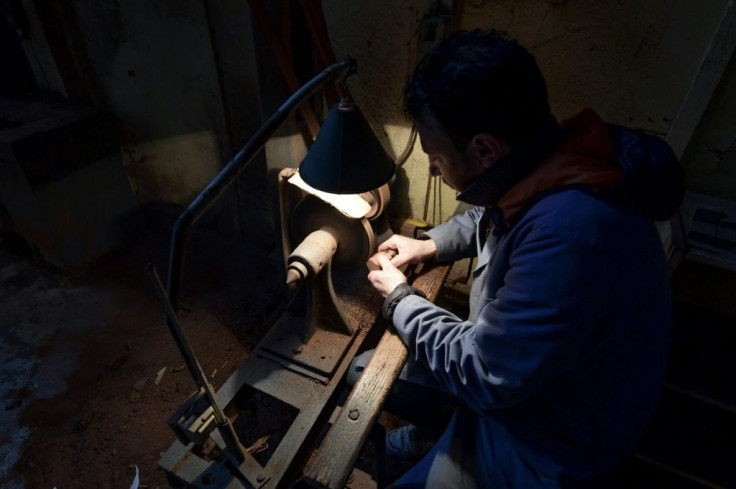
458, 170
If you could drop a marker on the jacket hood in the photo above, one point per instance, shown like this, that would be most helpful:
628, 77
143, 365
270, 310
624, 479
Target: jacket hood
605, 159
653, 181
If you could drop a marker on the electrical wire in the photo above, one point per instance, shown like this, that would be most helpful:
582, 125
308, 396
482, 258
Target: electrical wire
426, 197
404, 156
455, 9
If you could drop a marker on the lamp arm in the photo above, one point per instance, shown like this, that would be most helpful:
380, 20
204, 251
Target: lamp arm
197, 208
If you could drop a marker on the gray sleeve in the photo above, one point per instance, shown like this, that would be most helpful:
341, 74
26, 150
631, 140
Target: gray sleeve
455, 239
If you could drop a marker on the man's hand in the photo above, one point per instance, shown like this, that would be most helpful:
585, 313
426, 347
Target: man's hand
388, 277
408, 250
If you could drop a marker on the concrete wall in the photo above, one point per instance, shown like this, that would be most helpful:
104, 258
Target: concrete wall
631, 60
154, 62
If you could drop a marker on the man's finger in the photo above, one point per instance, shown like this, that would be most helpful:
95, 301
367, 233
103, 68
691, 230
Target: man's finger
373, 262
372, 277
383, 260
387, 245
398, 261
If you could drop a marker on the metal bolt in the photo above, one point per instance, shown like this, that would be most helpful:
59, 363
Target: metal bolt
354, 414
260, 477
298, 349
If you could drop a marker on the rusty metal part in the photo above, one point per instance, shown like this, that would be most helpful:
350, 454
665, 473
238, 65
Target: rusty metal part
312, 341
313, 400
372, 262
356, 240
313, 334
264, 372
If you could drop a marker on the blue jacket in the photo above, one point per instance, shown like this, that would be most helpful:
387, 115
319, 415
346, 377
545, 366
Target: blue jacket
560, 361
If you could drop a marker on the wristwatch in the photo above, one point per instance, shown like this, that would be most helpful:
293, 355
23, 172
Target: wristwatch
402, 290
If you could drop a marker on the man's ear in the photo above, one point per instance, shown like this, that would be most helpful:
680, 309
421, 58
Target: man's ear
487, 149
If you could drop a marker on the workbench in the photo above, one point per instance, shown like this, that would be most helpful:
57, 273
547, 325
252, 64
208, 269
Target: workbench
323, 439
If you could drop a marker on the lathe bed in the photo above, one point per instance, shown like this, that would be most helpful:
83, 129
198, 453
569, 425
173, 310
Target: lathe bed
323, 440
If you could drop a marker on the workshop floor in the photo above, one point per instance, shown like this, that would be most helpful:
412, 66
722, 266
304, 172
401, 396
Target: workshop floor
79, 358
81, 405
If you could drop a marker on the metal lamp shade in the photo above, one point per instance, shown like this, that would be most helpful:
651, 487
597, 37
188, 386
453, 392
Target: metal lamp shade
346, 157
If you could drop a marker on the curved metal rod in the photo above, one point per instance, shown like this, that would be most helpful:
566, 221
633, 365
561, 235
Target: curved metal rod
240, 161
200, 378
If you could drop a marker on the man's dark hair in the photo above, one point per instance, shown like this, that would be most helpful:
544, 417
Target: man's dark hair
480, 82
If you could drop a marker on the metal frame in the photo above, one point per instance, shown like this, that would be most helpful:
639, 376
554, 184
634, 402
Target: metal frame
261, 371
315, 402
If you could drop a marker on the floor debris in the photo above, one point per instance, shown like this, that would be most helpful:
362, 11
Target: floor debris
159, 376
138, 386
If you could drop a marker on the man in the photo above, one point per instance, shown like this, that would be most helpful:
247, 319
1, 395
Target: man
559, 364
